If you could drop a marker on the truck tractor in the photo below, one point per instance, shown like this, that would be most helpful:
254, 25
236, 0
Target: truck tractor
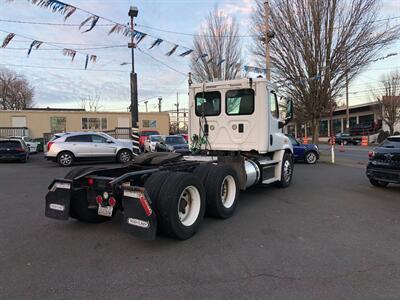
236, 139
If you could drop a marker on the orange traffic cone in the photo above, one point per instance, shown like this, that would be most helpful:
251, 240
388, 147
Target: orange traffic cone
341, 149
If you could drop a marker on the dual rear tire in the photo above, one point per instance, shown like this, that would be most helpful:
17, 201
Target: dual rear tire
181, 199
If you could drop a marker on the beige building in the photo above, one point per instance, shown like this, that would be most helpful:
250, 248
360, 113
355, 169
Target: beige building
41, 121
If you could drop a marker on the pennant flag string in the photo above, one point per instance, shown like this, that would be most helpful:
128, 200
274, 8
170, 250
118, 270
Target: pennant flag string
35, 44
67, 10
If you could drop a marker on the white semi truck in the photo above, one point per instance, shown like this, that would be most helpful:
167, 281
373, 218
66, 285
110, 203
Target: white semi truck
237, 142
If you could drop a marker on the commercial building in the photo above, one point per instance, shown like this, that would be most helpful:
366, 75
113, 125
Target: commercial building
37, 122
364, 119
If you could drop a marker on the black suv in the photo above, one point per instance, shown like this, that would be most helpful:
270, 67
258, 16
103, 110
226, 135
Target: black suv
384, 163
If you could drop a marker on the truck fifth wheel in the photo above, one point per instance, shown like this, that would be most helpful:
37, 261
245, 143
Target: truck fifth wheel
237, 142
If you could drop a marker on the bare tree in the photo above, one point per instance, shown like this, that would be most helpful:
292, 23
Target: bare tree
317, 45
389, 99
91, 103
217, 52
15, 91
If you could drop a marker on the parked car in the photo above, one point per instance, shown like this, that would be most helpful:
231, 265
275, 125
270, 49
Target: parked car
185, 136
78, 146
173, 143
40, 144
143, 135
384, 163
13, 149
151, 143
346, 139
28, 141
308, 153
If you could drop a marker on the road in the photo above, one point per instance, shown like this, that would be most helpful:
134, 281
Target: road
349, 153
330, 235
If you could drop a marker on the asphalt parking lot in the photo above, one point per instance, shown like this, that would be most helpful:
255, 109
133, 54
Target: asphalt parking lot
330, 235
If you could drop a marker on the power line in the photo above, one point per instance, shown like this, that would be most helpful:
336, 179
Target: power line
42, 49
161, 62
62, 68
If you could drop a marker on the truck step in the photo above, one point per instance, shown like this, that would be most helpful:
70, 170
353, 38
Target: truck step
268, 162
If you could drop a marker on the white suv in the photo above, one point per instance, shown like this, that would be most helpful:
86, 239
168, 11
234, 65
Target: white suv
69, 147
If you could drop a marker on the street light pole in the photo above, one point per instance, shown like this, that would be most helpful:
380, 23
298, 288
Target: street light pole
133, 12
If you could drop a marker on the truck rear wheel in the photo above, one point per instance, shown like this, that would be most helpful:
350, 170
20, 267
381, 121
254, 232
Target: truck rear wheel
222, 191
79, 207
201, 172
286, 171
153, 185
182, 205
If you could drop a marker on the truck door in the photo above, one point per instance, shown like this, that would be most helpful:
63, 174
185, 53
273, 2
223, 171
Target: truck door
273, 113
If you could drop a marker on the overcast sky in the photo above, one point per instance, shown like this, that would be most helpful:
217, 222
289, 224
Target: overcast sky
59, 82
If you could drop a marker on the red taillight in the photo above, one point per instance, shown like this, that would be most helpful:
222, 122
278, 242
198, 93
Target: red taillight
99, 199
49, 144
371, 154
145, 205
90, 181
19, 149
112, 201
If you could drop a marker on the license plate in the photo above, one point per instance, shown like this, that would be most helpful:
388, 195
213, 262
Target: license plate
105, 211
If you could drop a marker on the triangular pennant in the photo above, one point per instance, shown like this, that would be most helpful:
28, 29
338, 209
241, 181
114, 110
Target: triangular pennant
186, 53
69, 52
139, 37
35, 44
95, 19
85, 21
7, 40
220, 62
87, 61
156, 43
170, 52
69, 11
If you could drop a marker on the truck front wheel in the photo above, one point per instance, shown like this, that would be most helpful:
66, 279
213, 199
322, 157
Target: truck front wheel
286, 171
181, 205
222, 191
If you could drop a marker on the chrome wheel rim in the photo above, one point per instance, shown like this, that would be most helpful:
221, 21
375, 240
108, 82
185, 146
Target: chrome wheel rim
311, 158
287, 171
228, 191
189, 205
65, 159
125, 156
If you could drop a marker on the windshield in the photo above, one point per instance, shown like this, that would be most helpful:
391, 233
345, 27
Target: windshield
9, 144
155, 138
391, 143
107, 136
147, 133
175, 140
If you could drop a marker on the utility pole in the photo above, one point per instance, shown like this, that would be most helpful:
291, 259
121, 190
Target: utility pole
159, 104
177, 112
133, 12
347, 104
145, 103
267, 37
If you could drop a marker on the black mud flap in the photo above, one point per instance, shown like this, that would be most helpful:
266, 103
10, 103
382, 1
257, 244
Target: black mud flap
139, 216
58, 199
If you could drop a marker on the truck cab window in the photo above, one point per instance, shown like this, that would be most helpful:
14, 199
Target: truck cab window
273, 104
240, 102
208, 104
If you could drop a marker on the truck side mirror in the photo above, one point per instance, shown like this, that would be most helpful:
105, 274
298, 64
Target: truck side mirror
289, 111
289, 114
